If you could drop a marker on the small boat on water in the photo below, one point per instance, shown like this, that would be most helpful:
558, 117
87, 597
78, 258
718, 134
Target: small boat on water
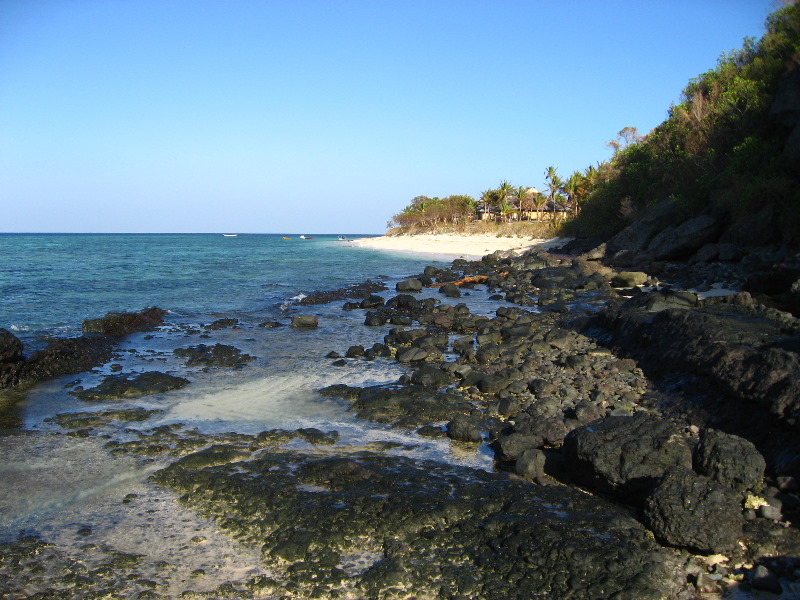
306, 237
229, 234
286, 238
343, 238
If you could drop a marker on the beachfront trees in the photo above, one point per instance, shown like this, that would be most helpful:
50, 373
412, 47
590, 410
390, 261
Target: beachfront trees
427, 212
579, 186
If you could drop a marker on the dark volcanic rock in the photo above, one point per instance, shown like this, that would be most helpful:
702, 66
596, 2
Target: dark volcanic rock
729, 460
82, 420
409, 285
685, 239
439, 530
450, 290
691, 511
464, 429
67, 356
625, 456
739, 351
218, 355
222, 324
122, 324
636, 236
360, 290
431, 377
10, 347
130, 386
10, 358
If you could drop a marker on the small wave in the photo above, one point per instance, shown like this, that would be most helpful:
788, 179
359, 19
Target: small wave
299, 297
21, 328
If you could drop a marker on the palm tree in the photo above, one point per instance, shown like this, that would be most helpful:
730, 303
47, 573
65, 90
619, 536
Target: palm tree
577, 189
554, 185
488, 199
504, 192
522, 194
539, 200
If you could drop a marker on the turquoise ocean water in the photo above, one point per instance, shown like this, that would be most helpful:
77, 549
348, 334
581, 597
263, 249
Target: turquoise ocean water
49, 283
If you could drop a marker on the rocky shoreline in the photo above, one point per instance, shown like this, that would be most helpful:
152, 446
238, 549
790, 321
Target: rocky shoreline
645, 441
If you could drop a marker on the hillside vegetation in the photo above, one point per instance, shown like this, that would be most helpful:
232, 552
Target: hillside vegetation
729, 148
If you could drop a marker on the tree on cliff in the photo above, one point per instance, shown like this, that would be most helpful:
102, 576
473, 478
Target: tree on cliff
727, 144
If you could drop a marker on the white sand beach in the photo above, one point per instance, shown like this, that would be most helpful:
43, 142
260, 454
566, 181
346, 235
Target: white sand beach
457, 246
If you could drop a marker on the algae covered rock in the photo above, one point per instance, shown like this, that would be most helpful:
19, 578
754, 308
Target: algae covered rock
131, 386
370, 525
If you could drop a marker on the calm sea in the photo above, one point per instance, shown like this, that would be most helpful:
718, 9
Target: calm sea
49, 283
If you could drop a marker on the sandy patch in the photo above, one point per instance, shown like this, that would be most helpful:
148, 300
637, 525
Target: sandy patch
457, 246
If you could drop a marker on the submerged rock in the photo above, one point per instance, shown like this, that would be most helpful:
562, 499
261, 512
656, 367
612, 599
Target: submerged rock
218, 355
131, 386
305, 322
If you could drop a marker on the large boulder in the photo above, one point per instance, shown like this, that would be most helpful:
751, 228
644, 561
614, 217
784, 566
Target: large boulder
409, 285
464, 429
691, 511
685, 239
729, 460
635, 237
742, 355
625, 456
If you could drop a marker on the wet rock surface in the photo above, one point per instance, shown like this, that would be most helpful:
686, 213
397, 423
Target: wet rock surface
122, 324
387, 527
71, 355
114, 387
218, 355
358, 291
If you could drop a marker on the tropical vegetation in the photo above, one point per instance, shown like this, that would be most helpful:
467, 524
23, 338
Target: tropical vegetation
721, 149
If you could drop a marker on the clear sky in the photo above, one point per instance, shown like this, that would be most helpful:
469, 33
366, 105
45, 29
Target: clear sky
324, 116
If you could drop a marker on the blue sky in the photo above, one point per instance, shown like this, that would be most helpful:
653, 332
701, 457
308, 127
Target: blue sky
324, 116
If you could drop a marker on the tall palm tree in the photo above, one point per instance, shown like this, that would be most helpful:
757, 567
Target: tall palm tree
554, 185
